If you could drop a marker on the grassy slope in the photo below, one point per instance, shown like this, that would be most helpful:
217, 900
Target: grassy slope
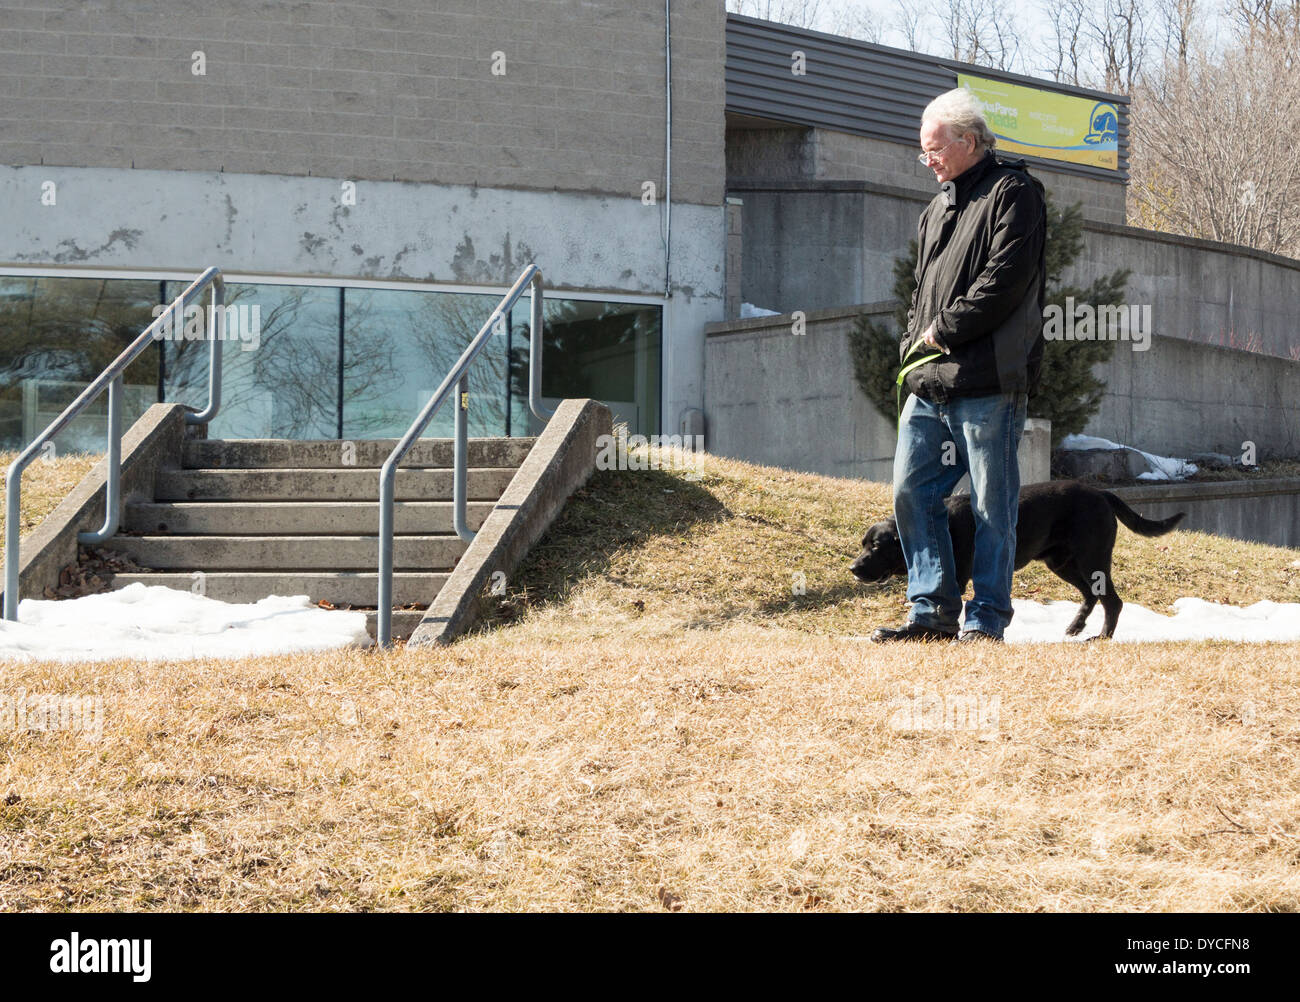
728, 547
664, 724
45, 484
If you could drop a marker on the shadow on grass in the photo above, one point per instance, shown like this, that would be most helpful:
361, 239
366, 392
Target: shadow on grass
614, 512
812, 601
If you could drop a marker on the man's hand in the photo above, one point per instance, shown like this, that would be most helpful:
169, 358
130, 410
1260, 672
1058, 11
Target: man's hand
928, 338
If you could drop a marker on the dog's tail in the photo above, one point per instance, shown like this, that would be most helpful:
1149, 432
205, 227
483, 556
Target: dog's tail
1142, 526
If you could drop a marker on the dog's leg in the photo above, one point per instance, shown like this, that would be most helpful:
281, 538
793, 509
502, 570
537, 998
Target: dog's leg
1093, 547
1067, 572
1112, 604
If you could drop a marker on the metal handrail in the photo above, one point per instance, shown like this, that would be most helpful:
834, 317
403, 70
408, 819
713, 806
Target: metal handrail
111, 378
459, 377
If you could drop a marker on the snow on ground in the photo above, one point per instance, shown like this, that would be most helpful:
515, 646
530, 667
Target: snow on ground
1162, 467
1193, 619
150, 622
156, 623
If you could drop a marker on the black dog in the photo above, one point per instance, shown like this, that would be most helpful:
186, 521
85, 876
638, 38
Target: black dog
1066, 524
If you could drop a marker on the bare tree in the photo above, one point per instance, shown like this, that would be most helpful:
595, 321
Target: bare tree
909, 21
1253, 18
980, 31
1204, 158
854, 20
1118, 29
849, 18
1066, 18
1178, 28
800, 13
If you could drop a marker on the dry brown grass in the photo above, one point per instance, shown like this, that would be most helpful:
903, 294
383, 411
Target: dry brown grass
722, 745
46, 482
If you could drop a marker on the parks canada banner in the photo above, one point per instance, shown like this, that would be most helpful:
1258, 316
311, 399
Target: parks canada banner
1040, 123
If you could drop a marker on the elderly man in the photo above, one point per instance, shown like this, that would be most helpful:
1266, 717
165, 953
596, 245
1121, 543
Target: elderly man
970, 357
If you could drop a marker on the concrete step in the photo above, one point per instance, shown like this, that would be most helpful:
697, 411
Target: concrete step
483, 484
228, 454
251, 518
404, 623
297, 553
341, 588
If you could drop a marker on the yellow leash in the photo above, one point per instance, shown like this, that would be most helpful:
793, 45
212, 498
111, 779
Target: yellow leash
902, 374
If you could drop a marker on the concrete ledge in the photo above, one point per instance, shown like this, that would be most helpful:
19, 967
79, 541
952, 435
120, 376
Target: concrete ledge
560, 462
779, 323
1260, 511
153, 441
1217, 491
814, 186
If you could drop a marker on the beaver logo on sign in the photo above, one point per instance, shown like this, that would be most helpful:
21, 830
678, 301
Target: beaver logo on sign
1103, 125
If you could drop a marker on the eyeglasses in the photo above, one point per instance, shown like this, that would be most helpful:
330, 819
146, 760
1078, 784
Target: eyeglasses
925, 158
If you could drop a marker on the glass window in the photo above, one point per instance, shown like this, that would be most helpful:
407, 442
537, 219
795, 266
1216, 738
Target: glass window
398, 348
279, 376
607, 351
314, 361
56, 335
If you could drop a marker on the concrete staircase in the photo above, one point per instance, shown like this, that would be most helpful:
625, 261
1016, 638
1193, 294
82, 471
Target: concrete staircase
244, 519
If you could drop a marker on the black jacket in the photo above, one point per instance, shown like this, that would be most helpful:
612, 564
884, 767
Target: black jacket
980, 275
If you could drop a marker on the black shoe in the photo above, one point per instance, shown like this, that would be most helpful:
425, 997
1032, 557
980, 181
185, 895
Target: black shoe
977, 637
910, 631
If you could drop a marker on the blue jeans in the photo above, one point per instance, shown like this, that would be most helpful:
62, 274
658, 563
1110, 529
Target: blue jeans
937, 443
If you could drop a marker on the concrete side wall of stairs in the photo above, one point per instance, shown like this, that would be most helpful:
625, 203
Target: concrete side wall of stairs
560, 462
153, 442
240, 520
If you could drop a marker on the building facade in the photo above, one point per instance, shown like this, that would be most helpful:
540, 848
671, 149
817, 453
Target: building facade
372, 178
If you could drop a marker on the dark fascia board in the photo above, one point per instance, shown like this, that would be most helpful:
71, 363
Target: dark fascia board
909, 76
917, 59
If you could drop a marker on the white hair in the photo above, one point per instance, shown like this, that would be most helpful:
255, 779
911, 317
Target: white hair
960, 111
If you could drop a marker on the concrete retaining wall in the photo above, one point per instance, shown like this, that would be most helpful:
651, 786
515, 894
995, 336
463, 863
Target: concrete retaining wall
819, 244
791, 400
1264, 511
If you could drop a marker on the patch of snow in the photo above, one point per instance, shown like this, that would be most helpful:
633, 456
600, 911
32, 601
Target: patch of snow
1193, 619
1088, 442
1162, 467
150, 622
748, 311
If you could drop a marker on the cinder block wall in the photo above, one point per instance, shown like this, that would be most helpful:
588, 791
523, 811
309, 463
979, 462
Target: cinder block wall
400, 90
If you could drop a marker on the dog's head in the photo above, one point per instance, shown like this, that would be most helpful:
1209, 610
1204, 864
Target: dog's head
882, 554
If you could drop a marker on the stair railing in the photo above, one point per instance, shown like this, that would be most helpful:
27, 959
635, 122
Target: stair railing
458, 378
111, 379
